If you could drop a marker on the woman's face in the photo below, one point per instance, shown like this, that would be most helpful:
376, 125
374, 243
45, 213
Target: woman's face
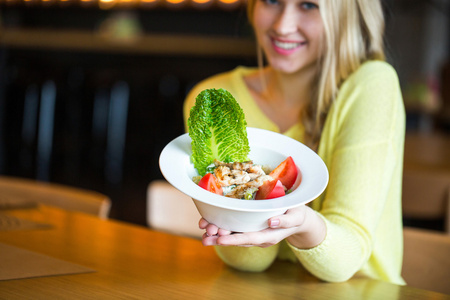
290, 32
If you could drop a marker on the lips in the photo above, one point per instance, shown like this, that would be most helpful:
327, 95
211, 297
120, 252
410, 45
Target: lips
286, 47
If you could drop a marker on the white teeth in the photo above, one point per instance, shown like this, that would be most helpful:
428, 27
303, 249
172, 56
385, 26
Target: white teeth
286, 45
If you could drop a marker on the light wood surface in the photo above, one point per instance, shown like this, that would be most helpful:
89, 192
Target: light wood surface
133, 262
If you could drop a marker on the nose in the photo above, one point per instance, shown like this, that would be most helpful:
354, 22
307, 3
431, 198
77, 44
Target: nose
286, 22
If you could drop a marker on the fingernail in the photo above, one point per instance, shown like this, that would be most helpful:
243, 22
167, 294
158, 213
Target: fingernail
274, 223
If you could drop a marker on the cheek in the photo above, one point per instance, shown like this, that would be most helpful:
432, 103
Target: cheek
258, 24
316, 33
261, 19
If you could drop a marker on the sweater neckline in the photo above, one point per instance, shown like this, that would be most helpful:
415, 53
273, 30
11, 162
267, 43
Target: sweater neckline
238, 80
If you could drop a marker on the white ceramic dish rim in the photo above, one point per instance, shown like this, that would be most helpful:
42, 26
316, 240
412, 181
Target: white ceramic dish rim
177, 168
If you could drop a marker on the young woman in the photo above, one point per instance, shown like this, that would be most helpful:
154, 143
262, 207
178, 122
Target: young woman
327, 85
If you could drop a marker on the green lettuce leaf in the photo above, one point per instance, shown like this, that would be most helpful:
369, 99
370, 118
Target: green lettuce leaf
218, 129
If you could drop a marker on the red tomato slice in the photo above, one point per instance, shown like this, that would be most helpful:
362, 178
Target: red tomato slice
269, 190
286, 172
210, 183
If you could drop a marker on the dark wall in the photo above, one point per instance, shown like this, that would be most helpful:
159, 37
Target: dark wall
82, 152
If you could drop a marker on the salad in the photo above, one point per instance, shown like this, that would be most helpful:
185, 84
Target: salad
220, 149
249, 181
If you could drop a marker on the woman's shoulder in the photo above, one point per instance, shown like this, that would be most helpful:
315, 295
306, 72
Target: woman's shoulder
220, 80
232, 81
375, 83
227, 80
371, 78
373, 91
374, 70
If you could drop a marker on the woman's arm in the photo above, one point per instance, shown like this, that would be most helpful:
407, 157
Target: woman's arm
301, 226
362, 144
362, 147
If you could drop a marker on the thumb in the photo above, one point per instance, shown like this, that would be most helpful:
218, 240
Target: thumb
291, 218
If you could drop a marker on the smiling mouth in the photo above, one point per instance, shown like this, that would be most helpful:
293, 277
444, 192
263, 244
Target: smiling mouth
286, 45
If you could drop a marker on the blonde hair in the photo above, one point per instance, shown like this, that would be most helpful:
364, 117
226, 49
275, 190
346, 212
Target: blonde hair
353, 34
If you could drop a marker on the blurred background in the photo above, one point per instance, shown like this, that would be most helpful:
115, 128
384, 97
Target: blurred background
92, 90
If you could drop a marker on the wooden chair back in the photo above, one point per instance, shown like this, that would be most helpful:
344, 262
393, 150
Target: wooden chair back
170, 210
22, 190
426, 195
426, 260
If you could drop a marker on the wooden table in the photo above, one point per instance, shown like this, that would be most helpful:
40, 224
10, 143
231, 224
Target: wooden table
133, 262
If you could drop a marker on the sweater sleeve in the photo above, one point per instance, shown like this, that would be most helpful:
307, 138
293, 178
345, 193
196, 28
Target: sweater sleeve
362, 145
363, 148
250, 259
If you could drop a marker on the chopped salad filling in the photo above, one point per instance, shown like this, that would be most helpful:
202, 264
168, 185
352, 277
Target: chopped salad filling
239, 180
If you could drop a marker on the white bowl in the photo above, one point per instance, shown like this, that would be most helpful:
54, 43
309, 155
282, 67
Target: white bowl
267, 148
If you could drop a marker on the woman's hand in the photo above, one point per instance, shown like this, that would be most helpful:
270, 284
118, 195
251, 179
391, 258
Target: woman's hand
301, 226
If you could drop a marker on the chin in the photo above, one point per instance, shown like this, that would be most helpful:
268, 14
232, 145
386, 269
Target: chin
290, 67
285, 68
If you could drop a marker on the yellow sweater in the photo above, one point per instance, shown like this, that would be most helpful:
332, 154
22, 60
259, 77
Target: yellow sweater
362, 146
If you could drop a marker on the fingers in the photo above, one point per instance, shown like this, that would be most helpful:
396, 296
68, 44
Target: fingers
211, 229
222, 232
264, 238
280, 227
238, 239
212, 232
209, 240
202, 223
